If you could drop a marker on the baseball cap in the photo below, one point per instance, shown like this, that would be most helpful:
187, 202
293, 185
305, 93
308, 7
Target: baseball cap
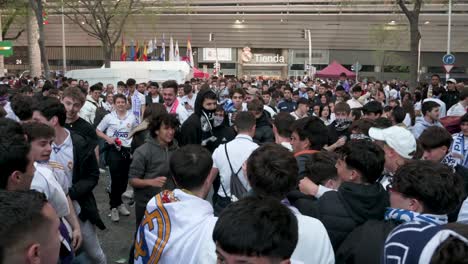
398, 138
452, 80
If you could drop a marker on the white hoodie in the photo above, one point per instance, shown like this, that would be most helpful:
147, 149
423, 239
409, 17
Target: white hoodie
177, 228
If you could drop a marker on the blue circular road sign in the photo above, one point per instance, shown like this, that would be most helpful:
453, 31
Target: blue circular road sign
448, 59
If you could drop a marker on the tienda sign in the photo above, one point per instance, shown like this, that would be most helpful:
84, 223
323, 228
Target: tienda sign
259, 58
248, 57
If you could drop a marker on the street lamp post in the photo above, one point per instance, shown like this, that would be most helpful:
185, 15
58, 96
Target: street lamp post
449, 31
64, 51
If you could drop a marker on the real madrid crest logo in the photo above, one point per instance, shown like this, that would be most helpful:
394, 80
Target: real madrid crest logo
247, 55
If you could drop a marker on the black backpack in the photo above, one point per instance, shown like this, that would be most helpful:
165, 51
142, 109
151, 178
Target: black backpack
101, 112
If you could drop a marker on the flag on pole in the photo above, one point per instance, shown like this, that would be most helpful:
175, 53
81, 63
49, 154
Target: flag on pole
132, 51
155, 48
163, 49
150, 47
190, 54
176, 53
123, 55
137, 52
171, 50
144, 57
150, 50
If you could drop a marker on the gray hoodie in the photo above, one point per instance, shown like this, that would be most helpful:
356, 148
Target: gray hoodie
151, 160
421, 125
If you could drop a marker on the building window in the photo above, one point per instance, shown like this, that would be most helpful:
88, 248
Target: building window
397, 69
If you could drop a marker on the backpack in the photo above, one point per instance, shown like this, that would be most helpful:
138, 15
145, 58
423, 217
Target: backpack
101, 112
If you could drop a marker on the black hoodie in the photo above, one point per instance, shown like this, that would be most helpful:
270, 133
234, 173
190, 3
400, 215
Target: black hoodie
264, 131
191, 131
343, 210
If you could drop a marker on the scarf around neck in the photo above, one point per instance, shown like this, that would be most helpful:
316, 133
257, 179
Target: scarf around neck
450, 161
406, 216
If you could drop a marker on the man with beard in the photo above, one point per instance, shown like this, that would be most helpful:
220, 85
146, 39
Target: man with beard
172, 104
198, 129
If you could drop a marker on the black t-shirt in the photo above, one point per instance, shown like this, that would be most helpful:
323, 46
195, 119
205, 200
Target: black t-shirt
84, 129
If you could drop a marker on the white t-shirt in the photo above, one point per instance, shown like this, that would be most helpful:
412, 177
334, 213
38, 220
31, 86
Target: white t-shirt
190, 101
115, 127
138, 100
181, 113
63, 154
10, 114
239, 150
456, 110
155, 99
353, 103
44, 181
313, 244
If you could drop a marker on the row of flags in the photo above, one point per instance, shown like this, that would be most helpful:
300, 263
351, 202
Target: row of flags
148, 51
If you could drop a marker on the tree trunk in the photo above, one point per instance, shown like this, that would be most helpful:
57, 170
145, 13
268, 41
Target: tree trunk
415, 36
107, 51
33, 45
2, 60
42, 47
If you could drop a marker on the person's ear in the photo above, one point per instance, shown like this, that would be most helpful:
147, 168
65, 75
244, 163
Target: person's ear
307, 143
15, 179
355, 176
33, 254
415, 205
54, 121
445, 149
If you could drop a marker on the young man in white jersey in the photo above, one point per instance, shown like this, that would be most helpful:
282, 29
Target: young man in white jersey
114, 129
76, 155
180, 221
50, 179
138, 100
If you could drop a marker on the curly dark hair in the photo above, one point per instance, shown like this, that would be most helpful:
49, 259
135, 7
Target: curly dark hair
166, 119
435, 185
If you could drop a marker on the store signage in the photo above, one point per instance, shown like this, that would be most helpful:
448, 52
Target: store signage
259, 58
248, 57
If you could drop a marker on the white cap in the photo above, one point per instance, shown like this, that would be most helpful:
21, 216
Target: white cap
452, 80
398, 138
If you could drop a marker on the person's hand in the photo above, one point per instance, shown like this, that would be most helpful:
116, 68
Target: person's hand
158, 181
188, 107
306, 186
340, 142
77, 239
110, 141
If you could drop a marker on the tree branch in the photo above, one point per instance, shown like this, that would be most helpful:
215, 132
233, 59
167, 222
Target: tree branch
15, 37
405, 9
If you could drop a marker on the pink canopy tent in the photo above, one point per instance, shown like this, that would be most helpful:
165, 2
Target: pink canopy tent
200, 74
334, 70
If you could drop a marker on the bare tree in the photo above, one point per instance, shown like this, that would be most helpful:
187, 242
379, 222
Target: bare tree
38, 8
415, 36
103, 20
13, 12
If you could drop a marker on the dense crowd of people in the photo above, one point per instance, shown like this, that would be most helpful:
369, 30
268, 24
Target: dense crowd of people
236, 170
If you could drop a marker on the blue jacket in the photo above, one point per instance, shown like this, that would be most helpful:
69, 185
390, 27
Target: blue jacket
287, 106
